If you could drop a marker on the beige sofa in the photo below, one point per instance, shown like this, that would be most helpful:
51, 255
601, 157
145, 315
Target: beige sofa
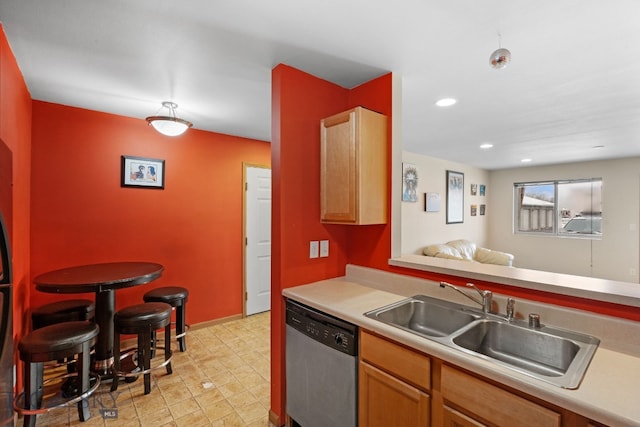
464, 250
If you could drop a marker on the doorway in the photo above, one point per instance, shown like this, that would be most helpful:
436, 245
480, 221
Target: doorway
257, 239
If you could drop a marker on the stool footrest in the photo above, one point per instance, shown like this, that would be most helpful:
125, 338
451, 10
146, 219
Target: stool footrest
184, 334
24, 411
131, 352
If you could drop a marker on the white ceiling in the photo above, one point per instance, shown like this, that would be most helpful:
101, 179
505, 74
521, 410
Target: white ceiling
573, 83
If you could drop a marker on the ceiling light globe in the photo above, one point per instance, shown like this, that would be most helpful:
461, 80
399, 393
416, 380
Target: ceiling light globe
500, 58
169, 126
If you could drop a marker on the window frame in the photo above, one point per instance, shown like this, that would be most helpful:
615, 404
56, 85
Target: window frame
556, 226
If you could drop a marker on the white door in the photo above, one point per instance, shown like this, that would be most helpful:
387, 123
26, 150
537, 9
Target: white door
258, 240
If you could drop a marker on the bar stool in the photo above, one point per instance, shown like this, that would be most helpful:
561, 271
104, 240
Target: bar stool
142, 320
55, 342
177, 297
62, 311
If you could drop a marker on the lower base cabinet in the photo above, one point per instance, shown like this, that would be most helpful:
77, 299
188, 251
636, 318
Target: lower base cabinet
399, 386
453, 418
484, 402
387, 401
394, 383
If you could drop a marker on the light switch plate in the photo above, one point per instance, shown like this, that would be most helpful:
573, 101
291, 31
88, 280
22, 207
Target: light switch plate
324, 248
313, 249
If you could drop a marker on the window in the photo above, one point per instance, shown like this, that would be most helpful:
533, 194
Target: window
559, 208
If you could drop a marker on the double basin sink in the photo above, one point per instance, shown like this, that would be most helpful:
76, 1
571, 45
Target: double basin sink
556, 356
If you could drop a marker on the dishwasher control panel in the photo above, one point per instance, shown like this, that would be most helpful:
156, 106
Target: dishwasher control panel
322, 327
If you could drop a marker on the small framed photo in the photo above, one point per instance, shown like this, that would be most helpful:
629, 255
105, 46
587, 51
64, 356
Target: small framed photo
474, 189
474, 210
142, 172
483, 189
482, 209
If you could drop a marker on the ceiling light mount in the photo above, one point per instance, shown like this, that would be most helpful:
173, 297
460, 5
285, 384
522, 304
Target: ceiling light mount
169, 125
501, 57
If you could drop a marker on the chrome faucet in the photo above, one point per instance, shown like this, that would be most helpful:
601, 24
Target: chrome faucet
485, 296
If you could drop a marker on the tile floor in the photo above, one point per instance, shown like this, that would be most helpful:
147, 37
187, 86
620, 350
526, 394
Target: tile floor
221, 380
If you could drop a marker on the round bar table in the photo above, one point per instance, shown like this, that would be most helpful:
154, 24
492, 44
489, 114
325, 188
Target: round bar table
103, 280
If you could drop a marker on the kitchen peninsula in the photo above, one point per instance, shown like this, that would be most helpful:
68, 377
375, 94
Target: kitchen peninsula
605, 395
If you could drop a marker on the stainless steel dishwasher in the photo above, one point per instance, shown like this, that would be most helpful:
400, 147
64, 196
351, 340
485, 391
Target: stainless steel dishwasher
321, 368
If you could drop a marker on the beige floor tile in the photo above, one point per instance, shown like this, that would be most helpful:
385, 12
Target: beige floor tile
218, 410
209, 398
194, 419
231, 388
176, 394
251, 412
242, 399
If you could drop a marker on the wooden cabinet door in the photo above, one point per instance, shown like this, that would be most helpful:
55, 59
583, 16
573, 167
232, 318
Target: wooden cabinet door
353, 168
485, 401
453, 418
386, 401
338, 170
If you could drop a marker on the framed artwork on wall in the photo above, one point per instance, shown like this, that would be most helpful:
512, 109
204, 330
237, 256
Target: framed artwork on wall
432, 202
455, 197
409, 183
142, 172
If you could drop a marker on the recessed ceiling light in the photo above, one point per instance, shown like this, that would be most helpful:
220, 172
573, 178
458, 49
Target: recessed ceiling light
486, 146
525, 160
446, 102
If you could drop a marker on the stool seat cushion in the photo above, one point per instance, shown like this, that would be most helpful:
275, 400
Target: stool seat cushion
151, 314
168, 294
62, 311
57, 338
66, 306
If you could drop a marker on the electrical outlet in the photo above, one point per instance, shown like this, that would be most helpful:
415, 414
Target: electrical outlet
313, 249
324, 248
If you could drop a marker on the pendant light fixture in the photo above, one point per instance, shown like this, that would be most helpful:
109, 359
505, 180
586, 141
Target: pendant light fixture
500, 58
169, 125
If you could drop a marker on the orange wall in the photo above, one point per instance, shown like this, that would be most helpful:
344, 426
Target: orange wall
80, 213
15, 131
299, 102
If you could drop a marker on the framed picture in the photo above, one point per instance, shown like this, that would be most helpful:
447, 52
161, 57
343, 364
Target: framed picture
432, 202
474, 189
474, 210
482, 209
455, 197
409, 183
142, 172
483, 189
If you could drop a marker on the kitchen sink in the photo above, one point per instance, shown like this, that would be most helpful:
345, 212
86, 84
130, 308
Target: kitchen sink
559, 357
425, 316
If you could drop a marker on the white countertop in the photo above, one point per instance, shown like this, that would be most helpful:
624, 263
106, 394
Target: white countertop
608, 393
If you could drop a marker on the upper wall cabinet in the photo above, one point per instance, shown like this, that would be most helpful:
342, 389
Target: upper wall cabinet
353, 181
